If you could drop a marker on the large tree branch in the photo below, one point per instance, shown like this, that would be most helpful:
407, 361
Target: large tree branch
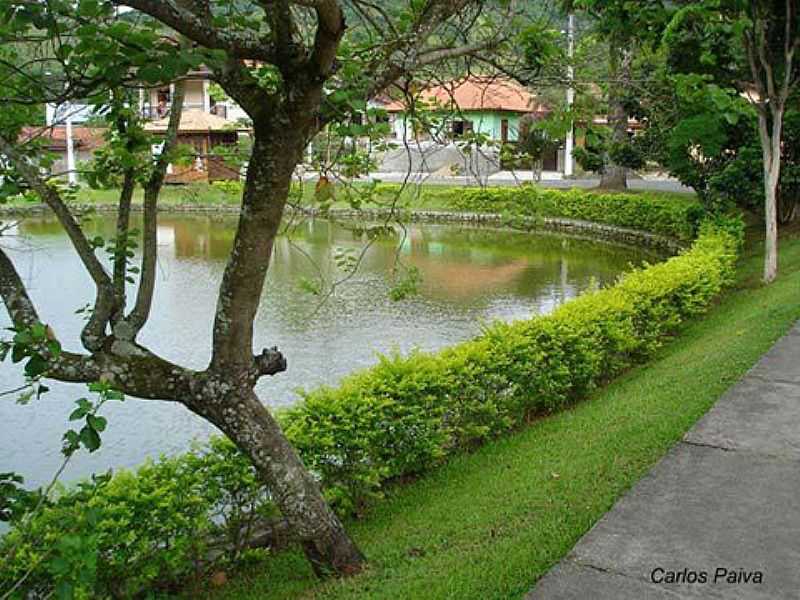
435, 56
18, 304
202, 31
121, 243
93, 333
152, 188
139, 373
330, 29
283, 26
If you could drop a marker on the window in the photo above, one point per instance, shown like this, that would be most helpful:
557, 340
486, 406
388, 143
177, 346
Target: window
461, 128
163, 99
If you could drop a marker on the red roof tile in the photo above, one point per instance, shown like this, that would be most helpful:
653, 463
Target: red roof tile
84, 138
477, 94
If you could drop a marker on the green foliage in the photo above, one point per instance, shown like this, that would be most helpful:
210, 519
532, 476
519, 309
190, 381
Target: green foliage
89, 434
706, 136
15, 500
670, 215
407, 284
35, 345
133, 531
590, 158
535, 140
229, 187
540, 47
626, 155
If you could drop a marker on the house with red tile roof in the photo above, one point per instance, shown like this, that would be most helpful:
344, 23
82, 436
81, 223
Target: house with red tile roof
85, 140
492, 106
202, 131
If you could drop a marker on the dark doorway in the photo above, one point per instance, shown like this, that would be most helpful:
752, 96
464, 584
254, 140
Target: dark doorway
460, 128
550, 160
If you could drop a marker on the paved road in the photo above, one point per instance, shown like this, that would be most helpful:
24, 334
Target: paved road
507, 179
726, 497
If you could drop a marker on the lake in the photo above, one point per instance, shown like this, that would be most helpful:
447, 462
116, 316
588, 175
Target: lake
470, 276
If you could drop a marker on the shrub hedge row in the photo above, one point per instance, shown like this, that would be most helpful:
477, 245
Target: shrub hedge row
672, 215
405, 414
398, 418
148, 530
669, 214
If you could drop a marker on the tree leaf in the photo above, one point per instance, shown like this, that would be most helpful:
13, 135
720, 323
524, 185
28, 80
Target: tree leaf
90, 438
97, 423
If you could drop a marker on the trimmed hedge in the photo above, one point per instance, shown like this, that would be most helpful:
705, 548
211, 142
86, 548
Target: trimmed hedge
406, 414
671, 215
151, 529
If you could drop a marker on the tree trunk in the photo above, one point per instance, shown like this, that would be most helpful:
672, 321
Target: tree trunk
771, 237
245, 420
228, 399
615, 177
771, 152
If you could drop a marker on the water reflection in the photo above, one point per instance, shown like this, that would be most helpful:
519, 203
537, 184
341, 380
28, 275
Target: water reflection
470, 275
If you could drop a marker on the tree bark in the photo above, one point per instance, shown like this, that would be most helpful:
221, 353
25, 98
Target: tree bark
243, 418
279, 143
771, 150
771, 235
615, 177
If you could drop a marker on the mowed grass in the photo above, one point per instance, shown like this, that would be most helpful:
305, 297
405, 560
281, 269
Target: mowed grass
426, 196
490, 523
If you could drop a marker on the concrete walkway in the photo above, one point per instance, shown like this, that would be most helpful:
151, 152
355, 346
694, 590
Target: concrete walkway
726, 497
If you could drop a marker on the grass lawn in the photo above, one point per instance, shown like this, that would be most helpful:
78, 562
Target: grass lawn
423, 197
413, 196
488, 524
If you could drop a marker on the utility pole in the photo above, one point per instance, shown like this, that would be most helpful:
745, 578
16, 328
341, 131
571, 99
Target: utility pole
72, 176
570, 142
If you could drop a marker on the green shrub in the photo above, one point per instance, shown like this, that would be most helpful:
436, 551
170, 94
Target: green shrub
229, 187
139, 530
672, 215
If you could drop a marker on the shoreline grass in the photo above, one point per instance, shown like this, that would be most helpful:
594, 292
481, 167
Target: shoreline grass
488, 524
426, 196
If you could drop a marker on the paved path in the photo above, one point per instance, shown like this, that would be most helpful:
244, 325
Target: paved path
508, 179
726, 497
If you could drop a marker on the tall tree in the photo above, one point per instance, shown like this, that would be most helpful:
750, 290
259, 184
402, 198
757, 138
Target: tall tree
772, 38
294, 67
625, 27
707, 38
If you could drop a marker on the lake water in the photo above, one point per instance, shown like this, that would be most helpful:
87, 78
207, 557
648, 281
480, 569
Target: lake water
470, 276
